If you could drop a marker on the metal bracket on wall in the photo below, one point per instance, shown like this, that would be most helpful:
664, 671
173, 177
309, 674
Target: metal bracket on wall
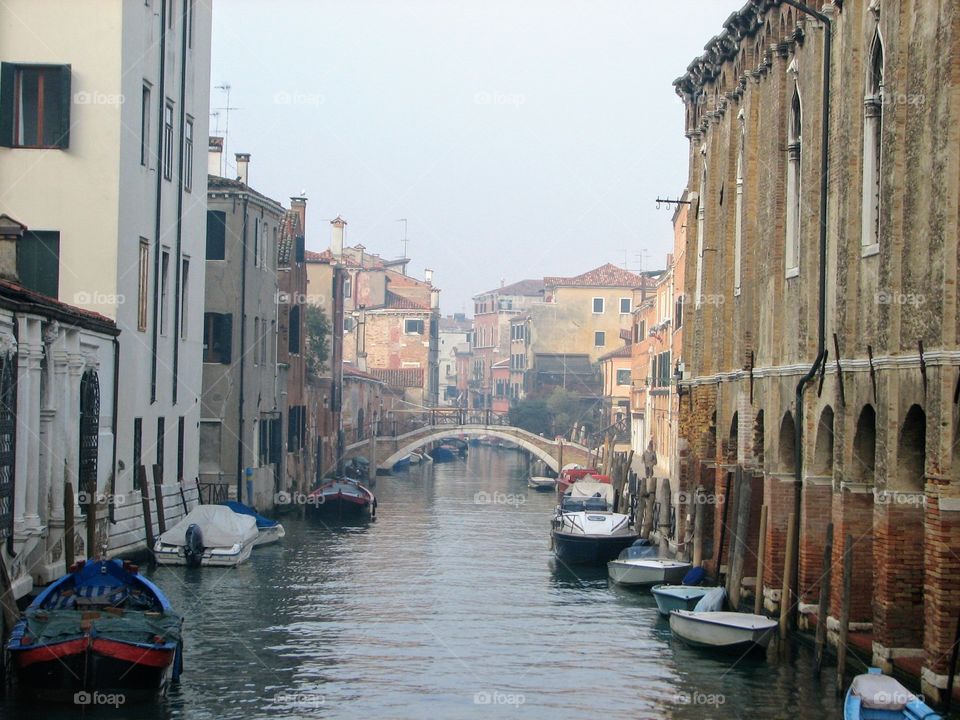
956, 391
923, 366
668, 202
873, 372
836, 351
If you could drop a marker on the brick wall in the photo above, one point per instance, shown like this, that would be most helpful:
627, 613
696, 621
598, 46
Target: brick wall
898, 585
853, 514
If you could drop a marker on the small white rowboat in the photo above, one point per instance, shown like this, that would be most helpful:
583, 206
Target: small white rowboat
733, 631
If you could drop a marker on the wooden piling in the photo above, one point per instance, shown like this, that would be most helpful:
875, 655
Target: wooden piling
761, 550
92, 522
845, 610
183, 497
698, 511
69, 551
744, 492
158, 497
145, 502
824, 606
787, 574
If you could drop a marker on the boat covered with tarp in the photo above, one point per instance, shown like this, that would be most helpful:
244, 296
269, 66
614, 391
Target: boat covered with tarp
211, 535
270, 531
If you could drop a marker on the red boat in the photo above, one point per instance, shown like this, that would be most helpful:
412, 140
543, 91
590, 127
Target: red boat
342, 496
570, 475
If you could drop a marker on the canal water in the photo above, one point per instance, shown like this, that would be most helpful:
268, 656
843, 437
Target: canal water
449, 605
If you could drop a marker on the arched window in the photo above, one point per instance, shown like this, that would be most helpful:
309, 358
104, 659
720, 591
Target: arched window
872, 127
89, 433
792, 250
701, 201
738, 214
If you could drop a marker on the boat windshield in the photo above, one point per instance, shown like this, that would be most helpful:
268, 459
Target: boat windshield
582, 504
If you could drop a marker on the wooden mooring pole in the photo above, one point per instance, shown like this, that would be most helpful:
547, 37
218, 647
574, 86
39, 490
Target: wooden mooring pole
145, 501
824, 607
158, 497
69, 551
761, 550
92, 522
845, 611
787, 574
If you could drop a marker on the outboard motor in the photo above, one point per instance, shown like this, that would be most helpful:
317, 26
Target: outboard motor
193, 548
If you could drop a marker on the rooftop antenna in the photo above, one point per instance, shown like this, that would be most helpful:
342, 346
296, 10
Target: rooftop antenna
404, 240
226, 123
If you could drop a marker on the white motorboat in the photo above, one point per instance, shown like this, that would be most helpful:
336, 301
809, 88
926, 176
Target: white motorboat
677, 597
626, 570
584, 528
730, 631
209, 535
541, 483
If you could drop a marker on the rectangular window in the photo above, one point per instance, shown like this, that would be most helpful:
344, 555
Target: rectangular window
181, 426
216, 235
168, 141
413, 327
256, 241
35, 106
171, 11
38, 262
293, 332
625, 306
190, 20
678, 313
347, 287
161, 431
264, 341
137, 451
599, 338
256, 340
188, 155
184, 297
143, 285
145, 125
623, 377
164, 291
217, 338
598, 306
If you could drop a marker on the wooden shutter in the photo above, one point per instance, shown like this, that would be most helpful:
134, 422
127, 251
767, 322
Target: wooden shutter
62, 138
6, 104
226, 339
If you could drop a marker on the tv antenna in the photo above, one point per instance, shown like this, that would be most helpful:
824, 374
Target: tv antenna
226, 122
404, 239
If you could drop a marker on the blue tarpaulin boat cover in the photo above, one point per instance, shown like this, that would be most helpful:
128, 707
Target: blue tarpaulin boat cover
694, 577
242, 509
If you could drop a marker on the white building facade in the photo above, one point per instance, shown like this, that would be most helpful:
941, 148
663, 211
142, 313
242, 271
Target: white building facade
103, 128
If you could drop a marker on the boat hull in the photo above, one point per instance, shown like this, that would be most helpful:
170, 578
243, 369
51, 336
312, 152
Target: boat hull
270, 534
709, 630
212, 557
60, 671
646, 572
542, 484
594, 549
667, 601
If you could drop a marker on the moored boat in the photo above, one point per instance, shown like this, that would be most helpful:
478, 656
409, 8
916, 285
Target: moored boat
722, 630
585, 530
101, 628
677, 597
627, 570
342, 496
269, 531
541, 483
874, 696
209, 535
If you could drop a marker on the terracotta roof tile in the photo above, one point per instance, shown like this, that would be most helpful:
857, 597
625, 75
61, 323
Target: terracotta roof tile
393, 301
624, 351
608, 275
399, 377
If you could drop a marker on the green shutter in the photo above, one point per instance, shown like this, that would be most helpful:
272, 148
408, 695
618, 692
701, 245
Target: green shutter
38, 262
226, 339
62, 139
6, 104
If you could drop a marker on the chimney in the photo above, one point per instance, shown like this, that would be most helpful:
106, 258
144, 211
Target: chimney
299, 206
336, 236
10, 233
428, 276
435, 299
215, 156
243, 167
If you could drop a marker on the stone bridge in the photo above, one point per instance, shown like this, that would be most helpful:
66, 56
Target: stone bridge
384, 450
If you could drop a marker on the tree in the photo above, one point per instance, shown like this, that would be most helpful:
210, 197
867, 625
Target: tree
317, 329
531, 415
565, 410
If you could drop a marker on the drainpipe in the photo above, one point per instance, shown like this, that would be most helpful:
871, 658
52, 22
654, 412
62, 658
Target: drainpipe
243, 345
113, 421
162, 102
178, 296
821, 310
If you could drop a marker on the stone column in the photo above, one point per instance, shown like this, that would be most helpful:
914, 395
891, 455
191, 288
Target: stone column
28, 420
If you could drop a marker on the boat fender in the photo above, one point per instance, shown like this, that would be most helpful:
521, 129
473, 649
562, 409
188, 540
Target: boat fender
193, 548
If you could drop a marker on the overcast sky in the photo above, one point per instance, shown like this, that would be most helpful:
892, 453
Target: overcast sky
520, 138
